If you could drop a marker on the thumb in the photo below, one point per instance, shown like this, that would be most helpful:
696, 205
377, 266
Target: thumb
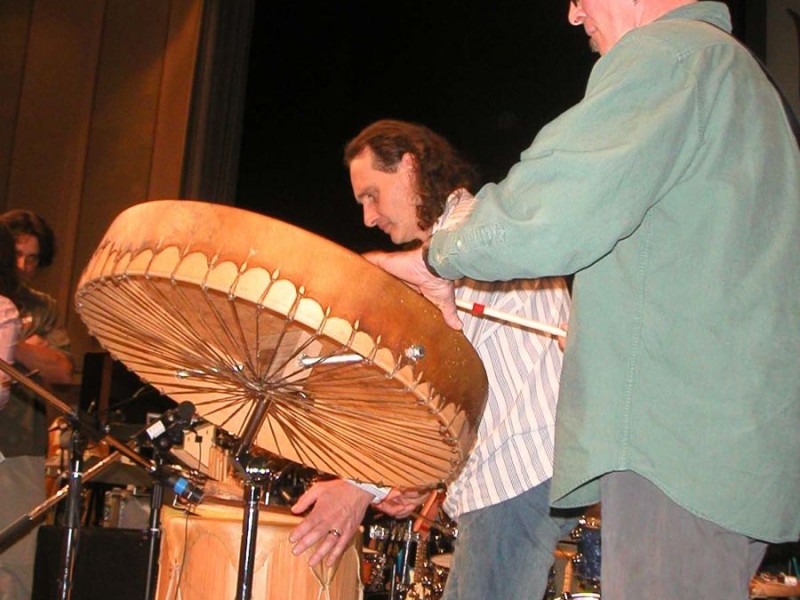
305, 501
451, 317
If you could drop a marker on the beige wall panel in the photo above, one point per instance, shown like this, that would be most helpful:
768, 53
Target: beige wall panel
46, 169
95, 101
121, 138
180, 58
15, 16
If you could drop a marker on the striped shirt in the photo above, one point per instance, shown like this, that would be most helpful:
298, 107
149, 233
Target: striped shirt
513, 450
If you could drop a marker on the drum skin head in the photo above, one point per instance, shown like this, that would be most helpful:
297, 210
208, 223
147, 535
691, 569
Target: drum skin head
357, 374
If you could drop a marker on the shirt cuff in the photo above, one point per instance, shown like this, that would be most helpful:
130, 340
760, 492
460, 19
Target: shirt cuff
379, 492
457, 209
438, 259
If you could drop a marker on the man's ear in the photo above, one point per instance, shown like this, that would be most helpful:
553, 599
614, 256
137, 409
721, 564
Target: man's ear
408, 163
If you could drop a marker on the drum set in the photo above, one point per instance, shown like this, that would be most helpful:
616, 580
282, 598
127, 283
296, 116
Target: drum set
399, 563
586, 560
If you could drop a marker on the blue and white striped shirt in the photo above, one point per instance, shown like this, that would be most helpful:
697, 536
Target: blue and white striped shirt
513, 450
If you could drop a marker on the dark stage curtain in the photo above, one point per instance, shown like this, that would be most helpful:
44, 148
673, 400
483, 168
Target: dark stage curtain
215, 122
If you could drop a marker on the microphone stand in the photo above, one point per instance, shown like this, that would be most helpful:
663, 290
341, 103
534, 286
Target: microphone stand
154, 531
71, 539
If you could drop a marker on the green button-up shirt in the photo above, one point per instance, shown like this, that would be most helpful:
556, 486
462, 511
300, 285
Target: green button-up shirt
672, 190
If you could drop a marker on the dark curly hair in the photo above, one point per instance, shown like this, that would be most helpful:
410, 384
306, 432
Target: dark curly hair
21, 221
440, 169
9, 278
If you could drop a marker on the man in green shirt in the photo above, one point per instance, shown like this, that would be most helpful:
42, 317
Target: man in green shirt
672, 192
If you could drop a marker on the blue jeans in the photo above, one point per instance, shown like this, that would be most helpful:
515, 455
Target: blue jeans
506, 550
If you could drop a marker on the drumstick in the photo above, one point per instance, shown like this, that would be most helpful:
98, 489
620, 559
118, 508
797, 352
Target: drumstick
479, 310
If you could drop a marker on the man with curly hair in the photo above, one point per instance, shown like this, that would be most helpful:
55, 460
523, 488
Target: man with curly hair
402, 175
43, 351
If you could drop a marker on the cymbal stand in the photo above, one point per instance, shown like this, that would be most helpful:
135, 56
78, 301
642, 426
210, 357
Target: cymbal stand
403, 584
258, 475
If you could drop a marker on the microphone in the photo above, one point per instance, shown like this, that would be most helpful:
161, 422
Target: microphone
177, 418
182, 487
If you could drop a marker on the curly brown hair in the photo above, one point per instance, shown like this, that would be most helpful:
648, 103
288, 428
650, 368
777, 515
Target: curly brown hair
9, 278
440, 169
20, 220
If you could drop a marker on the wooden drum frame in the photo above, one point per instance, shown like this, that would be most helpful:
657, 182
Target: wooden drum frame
357, 374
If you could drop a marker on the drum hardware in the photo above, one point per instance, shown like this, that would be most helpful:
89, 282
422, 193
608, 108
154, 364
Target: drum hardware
415, 352
373, 567
422, 581
560, 579
435, 524
397, 560
407, 557
259, 472
336, 359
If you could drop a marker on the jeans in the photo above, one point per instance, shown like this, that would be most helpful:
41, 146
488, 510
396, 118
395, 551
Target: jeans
506, 550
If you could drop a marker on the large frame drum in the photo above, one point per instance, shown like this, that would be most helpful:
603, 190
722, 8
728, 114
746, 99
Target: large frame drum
348, 370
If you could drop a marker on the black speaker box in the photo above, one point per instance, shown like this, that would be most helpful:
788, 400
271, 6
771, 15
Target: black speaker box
110, 564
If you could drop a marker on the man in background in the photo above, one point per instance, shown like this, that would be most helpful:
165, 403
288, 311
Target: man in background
43, 352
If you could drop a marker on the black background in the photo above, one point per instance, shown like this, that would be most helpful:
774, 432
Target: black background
485, 75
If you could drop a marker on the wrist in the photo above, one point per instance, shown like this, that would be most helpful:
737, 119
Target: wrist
425, 259
376, 493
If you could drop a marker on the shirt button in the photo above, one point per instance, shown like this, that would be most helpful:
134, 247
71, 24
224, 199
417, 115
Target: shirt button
459, 244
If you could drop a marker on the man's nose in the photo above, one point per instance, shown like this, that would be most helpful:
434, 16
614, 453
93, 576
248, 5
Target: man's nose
370, 215
576, 14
